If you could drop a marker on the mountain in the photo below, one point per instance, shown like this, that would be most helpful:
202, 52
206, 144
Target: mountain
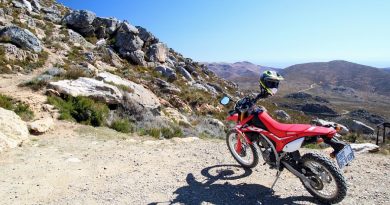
244, 73
339, 73
386, 69
56, 62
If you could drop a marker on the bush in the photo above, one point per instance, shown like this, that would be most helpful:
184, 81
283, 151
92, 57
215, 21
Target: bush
35, 84
123, 125
166, 132
21, 109
80, 109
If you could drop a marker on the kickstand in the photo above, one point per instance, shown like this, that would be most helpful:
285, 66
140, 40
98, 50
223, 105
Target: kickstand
277, 177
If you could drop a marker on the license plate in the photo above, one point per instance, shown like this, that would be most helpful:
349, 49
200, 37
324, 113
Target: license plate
345, 156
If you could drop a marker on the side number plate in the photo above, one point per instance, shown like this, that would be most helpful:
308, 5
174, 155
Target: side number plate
345, 156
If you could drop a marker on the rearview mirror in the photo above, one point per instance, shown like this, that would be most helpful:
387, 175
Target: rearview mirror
225, 100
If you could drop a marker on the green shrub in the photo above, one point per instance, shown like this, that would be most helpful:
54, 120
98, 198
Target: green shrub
75, 73
35, 84
80, 109
166, 132
122, 125
24, 111
21, 109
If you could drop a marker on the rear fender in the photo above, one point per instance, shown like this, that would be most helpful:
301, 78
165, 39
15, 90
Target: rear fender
337, 145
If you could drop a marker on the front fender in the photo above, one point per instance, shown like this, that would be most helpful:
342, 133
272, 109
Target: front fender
233, 117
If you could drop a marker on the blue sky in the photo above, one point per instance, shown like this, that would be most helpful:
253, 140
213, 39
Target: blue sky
275, 33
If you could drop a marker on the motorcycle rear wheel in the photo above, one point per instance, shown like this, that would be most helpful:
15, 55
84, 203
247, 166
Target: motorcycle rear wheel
326, 176
248, 158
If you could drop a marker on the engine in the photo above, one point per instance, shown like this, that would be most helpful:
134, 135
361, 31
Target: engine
267, 152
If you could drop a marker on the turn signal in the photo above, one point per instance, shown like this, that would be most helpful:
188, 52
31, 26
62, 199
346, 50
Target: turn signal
338, 128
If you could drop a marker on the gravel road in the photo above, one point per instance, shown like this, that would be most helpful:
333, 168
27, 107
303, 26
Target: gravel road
77, 164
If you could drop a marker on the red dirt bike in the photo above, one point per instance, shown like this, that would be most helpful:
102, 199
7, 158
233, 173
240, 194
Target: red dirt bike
256, 132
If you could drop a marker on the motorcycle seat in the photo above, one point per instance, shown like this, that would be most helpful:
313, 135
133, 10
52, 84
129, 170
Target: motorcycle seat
286, 130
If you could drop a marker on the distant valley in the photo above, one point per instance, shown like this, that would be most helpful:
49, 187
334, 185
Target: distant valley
244, 73
344, 85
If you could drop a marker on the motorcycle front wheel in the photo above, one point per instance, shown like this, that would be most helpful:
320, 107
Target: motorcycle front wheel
247, 157
328, 184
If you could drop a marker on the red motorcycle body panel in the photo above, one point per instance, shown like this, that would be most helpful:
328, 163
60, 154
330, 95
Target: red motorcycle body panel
285, 130
280, 133
233, 117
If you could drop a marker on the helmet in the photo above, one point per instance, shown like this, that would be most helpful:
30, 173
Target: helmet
269, 81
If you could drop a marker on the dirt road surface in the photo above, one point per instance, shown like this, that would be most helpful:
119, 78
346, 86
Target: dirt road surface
75, 164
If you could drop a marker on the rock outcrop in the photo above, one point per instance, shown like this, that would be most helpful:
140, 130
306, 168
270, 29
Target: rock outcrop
20, 37
105, 27
167, 72
135, 92
40, 126
281, 114
13, 131
365, 147
81, 21
318, 109
157, 52
360, 127
89, 87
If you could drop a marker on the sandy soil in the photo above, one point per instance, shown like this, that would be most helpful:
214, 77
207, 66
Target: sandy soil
75, 164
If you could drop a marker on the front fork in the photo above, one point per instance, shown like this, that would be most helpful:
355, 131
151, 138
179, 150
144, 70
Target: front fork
241, 136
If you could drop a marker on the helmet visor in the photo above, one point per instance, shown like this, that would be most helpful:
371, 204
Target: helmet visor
272, 84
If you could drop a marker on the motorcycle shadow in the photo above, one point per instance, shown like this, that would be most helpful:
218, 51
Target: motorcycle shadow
196, 193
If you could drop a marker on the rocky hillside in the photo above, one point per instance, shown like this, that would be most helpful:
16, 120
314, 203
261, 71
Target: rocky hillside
341, 74
245, 74
73, 65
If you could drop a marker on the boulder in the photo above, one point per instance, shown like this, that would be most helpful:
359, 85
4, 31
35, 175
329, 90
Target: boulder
126, 27
36, 6
126, 39
137, 57
199, 86
211, 89
52, 14
216, 87
104, 27
167, 72
365, 147
137, 93
179, 104
40, 126
185, 73
13, 130
176, 116
299, 95
20, 37
157, 52
12, 52
318, 109
320, 99
147, 37
364, 114
360, 127
166, 87
281, 114
212, 127
22, 4
78, 39
89, 87
81, 21
190, 68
